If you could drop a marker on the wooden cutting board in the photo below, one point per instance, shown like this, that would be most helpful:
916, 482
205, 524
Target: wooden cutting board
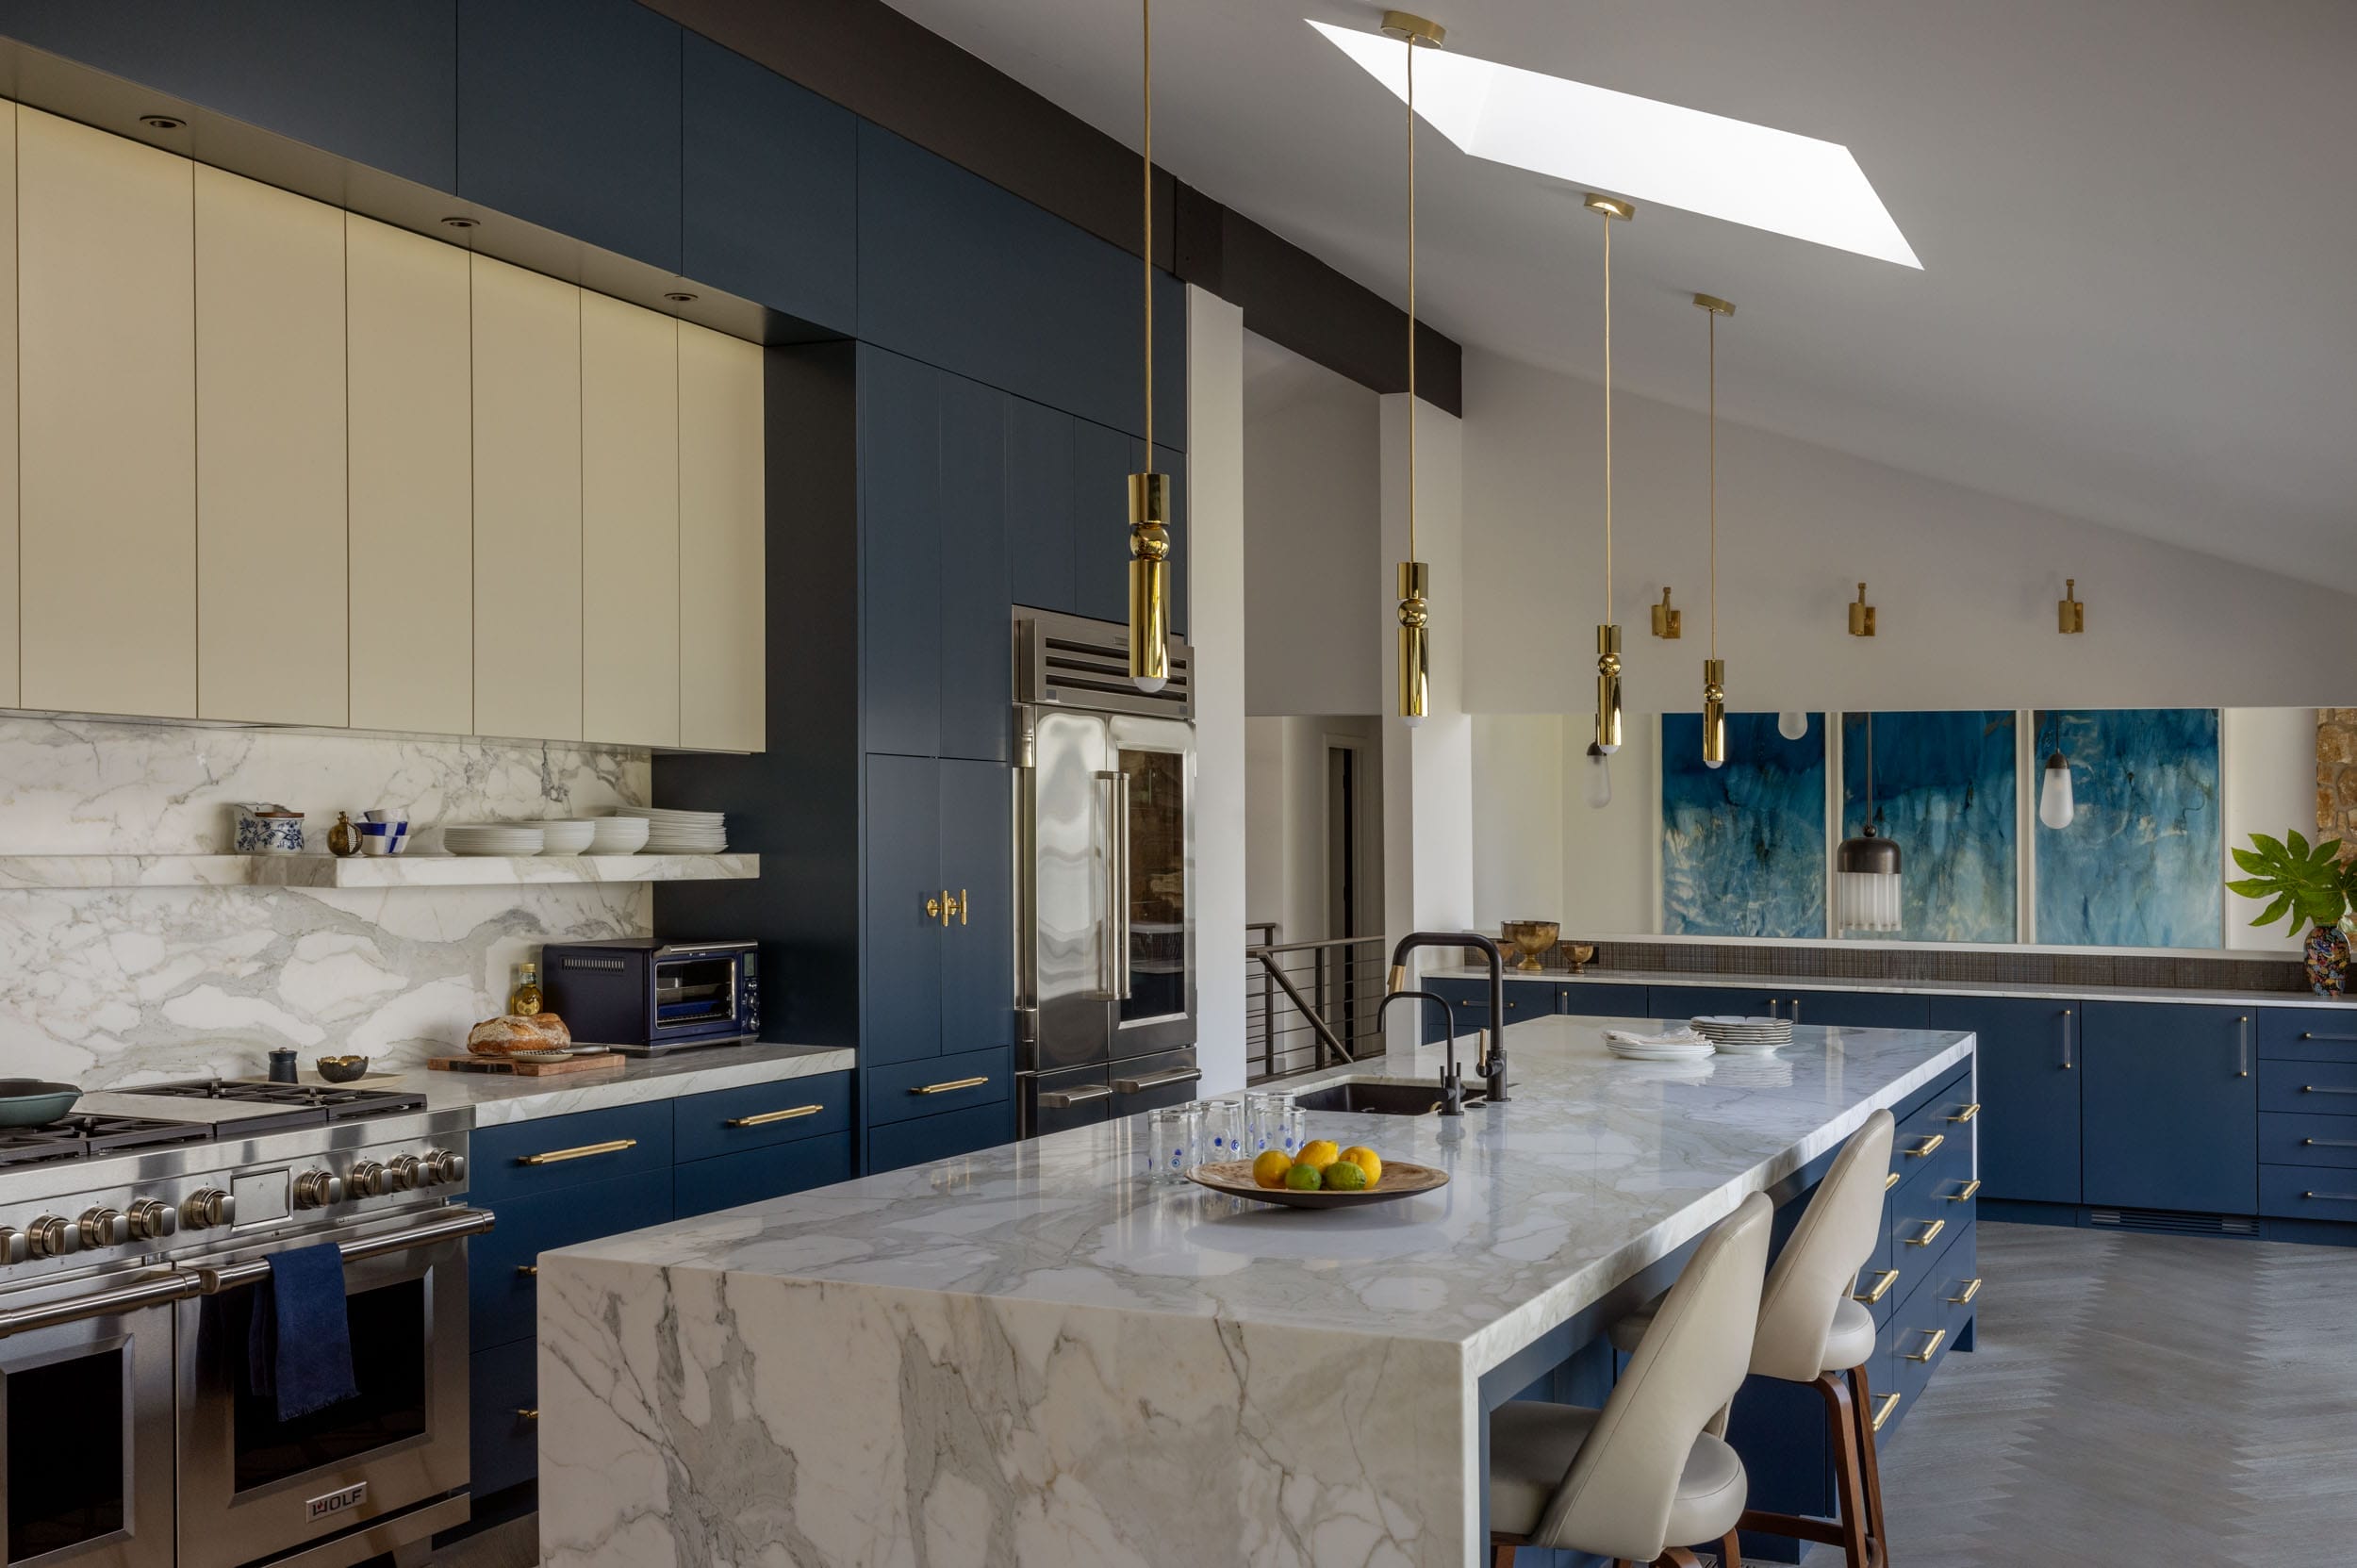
611, 1062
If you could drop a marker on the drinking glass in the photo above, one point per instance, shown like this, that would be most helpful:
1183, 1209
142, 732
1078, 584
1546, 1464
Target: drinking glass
1171, 1136
1264, 1117
1292, 1130
1224, 1134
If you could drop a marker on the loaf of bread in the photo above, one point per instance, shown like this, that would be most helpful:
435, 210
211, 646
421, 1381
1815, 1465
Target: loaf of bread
503, 1037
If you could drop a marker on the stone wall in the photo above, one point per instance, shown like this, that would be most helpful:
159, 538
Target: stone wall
2337, 777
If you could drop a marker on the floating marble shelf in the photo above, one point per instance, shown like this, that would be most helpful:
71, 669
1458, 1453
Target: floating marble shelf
53, 871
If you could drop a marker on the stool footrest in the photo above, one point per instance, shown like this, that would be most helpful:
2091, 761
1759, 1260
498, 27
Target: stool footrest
1798, 1526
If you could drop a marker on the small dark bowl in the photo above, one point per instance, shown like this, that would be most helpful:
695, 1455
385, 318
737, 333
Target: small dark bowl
31, 1102
341, 1069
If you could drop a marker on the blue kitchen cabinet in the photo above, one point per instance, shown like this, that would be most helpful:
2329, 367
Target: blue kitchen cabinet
964, 274
1862, 1009
376, 84
769, 188
1468, 1007
976, 661
901, 936
897, 1144
1691, 1001
726, 1180
1040, 470
2027, 1055
569, 116
977, 868
2170, 1107
1599, 1000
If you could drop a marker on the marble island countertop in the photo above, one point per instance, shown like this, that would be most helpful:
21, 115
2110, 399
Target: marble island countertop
2050, 989
1030, 1344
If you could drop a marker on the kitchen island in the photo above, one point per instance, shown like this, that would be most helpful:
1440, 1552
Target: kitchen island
1028, 1355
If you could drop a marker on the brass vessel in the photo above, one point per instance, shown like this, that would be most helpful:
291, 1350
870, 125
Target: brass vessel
1532, 938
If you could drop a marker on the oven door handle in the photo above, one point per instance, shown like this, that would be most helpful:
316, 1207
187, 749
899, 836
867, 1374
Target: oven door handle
154, 1290
463, 1222
1158, 1080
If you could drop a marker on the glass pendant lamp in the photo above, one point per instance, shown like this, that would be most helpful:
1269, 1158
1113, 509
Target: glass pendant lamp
1150, 492
1793, 726
1866, 869
2055, 806
1596, 778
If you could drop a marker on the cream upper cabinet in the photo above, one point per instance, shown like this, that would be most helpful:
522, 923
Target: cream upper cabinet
270, 580
409, 302
527, 504
106, 381
630, 494
9, 686
722, 529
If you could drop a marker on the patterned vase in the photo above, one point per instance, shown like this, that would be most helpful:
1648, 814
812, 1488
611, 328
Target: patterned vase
2327, 961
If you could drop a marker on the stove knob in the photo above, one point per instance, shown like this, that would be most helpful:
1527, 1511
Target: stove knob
152, 1220
104, 1228
443, 1168
317, 1189
403, 1173
366, 1180
208, 1207
12, 1246
52, 1237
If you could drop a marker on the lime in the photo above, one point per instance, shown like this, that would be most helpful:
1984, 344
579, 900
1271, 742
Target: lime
1345, 1176
1303, 1178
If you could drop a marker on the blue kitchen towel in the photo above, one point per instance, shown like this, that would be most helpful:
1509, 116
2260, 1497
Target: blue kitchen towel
299, 1342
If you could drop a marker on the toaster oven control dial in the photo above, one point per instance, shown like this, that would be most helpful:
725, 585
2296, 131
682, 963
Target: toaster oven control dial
208, 1207
443, 1168
403, 1173
367, 1181
317, 1189
104, 1228
12, 1246
152, 1220
52, 1237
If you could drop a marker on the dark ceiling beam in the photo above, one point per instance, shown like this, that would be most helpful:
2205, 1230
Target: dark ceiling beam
881, 65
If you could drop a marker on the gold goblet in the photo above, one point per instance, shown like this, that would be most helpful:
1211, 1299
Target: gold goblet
1532, 938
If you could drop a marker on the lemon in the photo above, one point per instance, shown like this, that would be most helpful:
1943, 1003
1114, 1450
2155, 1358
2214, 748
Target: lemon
1270, 1168
1366, 1160
1318, 1153
1346, 1175
1303, 1177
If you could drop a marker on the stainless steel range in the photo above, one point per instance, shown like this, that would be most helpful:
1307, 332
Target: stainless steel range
132, 1238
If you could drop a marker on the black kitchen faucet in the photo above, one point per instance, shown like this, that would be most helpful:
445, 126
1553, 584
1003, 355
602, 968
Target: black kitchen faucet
1492, 1066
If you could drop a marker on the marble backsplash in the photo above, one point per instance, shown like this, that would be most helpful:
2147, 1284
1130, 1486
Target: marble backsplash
106, 987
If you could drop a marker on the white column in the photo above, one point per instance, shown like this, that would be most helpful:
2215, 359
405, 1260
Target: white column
1427, 771
1213, 543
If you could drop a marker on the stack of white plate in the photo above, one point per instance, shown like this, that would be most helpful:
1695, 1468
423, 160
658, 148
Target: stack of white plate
1752, 1036
1674, 1045
617, 835
565, 836
493, 838
681, 832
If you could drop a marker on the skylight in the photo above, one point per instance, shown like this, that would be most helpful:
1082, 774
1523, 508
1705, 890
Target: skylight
1638, 147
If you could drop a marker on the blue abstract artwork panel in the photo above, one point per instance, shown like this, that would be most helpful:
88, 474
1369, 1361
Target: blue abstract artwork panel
1743, 846
2141, 865
1944, 793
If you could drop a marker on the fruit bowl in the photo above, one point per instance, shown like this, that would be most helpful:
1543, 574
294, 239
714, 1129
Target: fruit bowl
1532, 938
1400, 1180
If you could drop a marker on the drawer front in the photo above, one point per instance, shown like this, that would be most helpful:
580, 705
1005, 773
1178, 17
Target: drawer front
1690, 1002
1529, 998
1923, 1227
2305, 1192
502, 1302
1881, 1383
1919, 1338
2308, 1033
922, 1138
1468, 1007
1958, 1282
502, 1447
520, 1158
1600, 1000
2289, 1140
1865, 1009
2308, 1088
759, 1115
725, 1181
1877, 1285
938, 1084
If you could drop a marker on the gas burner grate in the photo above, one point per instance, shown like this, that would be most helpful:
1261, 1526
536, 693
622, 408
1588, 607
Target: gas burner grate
340, 1104
81, 1137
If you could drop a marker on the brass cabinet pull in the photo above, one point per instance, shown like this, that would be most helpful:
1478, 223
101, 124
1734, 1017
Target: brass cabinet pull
1931, 1346
1930, 1234
2066, 1023
2328, 1143
1964, 1196
530, 1271
958, 906
1882, 1411
1889, 1277
932, 909
766, 1117
1972, 1289
2242, 1048
558, 1156
1892, 1181
1929, 1145
2337, 1039
2334, 1197
1968, 1112
953, 1083
527, 1412
2325, 1089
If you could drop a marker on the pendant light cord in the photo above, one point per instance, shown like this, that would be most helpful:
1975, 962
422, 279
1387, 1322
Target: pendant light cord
1411, 297
1869, 775
1608, 419
1146, 9
1713, 316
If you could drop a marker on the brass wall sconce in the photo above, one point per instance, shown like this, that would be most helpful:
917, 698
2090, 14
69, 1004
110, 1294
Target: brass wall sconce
1667, 621
2068, 612
1861, 616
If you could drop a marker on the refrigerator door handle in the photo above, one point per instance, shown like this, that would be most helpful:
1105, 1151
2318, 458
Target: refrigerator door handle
1108, 961
1121, 905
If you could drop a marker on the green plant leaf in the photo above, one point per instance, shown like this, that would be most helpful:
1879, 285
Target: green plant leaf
2268, 846
2275, 911
2253, 863
2297, 843
2253, 887
2327, 853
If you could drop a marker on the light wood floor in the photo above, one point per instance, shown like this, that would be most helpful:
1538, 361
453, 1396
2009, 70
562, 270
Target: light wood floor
2177, 1402
2162, 1401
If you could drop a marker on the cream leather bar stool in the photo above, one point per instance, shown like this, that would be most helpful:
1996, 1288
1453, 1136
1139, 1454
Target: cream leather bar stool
1641, 1479
1812, 1330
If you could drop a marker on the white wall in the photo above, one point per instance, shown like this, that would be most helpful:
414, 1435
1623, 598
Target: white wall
1286, 850
1216, 628
1312, 491
1965, 584
2267, 783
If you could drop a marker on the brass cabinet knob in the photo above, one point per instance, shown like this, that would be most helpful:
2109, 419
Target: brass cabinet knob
932, 909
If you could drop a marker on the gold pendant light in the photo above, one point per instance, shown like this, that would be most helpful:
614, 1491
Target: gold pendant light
1714, 668
1416, 577
1150, 492
1614, 210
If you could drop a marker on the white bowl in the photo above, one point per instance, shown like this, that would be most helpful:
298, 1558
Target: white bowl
617, 835
490, 840
566, 837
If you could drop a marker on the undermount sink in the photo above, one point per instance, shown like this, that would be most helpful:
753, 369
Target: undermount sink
1377, 1097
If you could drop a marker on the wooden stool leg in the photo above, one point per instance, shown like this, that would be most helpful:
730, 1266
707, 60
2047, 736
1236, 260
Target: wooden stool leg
1731, 1552
1869, 1464
1502, 1555
1842, 1424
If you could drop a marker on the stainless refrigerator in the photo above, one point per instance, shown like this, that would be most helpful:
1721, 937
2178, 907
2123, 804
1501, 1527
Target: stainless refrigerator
1104, 837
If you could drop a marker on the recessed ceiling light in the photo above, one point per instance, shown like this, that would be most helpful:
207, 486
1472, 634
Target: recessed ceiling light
1651, 151
458, 221
163, 123
679, 296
